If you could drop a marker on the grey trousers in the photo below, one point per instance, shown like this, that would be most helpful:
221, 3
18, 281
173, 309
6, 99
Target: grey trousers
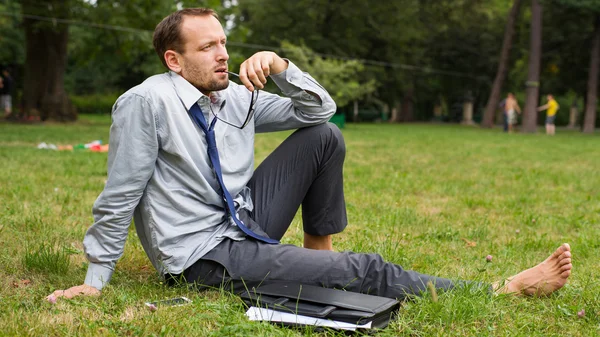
305, 170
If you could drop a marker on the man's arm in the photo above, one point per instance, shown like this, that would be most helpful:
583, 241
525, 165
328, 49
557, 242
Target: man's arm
307, 102
131, 160
543, 107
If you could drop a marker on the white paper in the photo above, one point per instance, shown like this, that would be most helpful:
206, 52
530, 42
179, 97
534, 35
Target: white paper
262, 314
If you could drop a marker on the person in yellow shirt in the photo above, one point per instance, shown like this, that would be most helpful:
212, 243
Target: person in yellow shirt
551, 107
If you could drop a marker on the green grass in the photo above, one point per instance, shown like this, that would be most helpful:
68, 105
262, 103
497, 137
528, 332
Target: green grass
417, 194
47, 258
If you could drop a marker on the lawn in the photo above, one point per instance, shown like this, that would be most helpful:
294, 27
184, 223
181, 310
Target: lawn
434, 198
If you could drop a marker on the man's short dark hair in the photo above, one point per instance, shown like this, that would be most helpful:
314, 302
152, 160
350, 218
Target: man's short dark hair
167, 33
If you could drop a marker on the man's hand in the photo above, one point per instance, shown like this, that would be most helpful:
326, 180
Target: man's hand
255, 70
82, 290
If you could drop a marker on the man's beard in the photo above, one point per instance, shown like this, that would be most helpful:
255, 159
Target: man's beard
212, 85
204, 81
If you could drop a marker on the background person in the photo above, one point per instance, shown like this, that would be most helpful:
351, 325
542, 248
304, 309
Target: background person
551, 109
511, 107
6, 93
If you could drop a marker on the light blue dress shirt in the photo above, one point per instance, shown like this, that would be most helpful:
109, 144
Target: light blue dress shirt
159, 172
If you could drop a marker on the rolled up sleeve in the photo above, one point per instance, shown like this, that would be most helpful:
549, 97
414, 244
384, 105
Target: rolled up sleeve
131, 161
306, 102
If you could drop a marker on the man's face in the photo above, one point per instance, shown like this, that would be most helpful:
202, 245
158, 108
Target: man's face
204, 58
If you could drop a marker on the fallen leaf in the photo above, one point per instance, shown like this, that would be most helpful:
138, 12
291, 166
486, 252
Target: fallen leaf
470, 243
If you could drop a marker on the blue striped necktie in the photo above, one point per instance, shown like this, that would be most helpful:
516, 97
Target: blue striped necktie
213, 155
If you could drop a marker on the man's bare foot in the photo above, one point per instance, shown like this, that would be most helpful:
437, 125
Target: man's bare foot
541, 280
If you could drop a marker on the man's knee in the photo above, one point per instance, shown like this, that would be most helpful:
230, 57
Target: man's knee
327, 137
333, 136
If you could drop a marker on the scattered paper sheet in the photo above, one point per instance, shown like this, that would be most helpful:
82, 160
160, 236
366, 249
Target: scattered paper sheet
262, 314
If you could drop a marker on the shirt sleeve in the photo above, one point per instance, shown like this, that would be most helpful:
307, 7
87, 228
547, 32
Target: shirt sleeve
306, 102
132, 155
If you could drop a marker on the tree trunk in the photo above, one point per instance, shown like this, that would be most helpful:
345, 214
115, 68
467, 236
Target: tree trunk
533, 78
45, 62
509, 32
589, 123
407, 111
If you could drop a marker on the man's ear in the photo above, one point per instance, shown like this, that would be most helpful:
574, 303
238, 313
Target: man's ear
172, 60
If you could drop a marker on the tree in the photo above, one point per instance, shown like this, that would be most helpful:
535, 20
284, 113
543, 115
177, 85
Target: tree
533, 78
107, 42
44, 94
99, 56
589, 123
404, 41
494, 99
341, 78
587, 12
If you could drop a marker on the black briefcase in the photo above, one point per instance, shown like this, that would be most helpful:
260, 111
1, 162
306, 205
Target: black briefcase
333, 304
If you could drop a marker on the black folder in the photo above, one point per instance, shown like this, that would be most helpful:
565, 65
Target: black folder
333, 304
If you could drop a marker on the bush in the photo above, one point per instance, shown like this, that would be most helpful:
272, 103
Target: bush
94, 104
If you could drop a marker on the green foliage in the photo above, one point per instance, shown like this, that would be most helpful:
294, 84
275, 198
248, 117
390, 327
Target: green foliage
432, 48
121, 56
12, 51
341, 78
406, 41
592, 5
94, 103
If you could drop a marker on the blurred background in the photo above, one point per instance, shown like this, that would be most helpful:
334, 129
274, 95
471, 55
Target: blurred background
447, 61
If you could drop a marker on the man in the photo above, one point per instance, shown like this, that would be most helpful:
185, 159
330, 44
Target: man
511, 108
163, 170
551, 107
5, 93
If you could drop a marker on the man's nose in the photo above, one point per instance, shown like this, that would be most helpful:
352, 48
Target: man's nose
222, 54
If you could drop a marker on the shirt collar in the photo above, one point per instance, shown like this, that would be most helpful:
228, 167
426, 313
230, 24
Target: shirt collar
188, 94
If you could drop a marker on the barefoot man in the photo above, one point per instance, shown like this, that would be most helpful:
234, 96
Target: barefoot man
181, 164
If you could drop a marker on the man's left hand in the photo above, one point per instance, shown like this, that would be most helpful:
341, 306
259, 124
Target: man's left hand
255, 70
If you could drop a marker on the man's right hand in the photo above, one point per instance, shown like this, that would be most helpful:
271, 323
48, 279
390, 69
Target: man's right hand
82, 290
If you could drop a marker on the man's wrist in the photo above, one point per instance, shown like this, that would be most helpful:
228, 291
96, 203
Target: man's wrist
279, 65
